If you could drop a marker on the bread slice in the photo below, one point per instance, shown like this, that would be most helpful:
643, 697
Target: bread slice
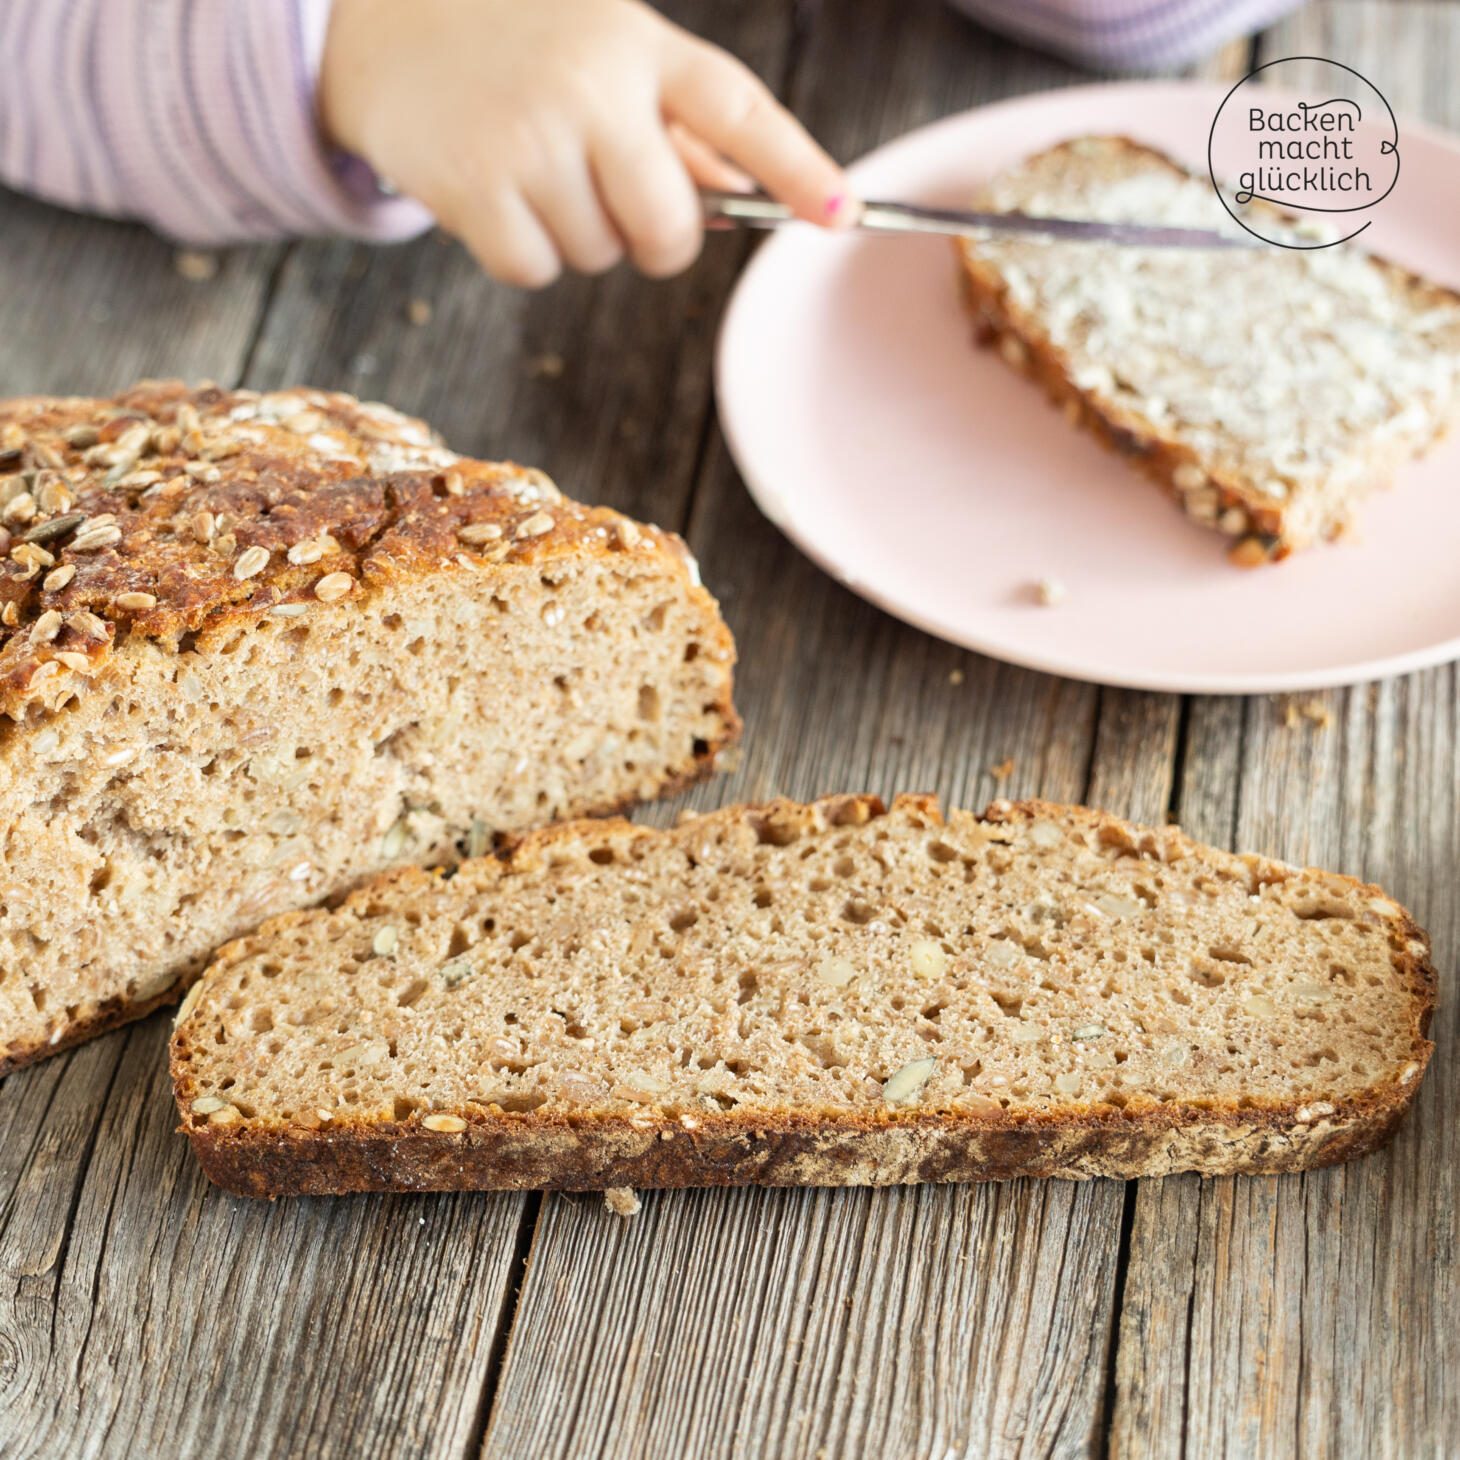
254, 648
828, 995
1267, 391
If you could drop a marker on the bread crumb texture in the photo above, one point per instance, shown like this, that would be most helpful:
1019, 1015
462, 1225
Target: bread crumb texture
255, 648
1268, 390
822, 994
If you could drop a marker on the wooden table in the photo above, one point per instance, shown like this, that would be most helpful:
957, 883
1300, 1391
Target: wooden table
142, 1313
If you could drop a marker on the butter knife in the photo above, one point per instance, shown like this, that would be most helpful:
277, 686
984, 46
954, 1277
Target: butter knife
755, 210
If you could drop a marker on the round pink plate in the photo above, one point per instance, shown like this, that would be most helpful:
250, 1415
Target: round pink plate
932, 480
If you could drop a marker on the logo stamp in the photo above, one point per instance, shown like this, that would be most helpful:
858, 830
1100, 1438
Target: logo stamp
1300, 157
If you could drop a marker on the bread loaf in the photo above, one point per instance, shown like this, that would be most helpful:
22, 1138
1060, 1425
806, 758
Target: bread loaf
830, 994
254, 648
1266, 390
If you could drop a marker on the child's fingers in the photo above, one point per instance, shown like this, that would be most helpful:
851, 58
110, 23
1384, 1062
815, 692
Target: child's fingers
728, 107
508, 240
568, 204
705, 165
650, 197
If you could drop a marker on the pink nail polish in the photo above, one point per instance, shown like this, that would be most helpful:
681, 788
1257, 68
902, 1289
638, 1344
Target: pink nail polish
835, 204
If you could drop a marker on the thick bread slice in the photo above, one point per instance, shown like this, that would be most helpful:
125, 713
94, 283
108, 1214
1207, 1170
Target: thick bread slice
830, 994
256, 648
1266, 391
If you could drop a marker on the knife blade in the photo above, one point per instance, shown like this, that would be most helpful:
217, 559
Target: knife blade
755, 210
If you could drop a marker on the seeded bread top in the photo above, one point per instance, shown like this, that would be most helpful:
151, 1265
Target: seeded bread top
167, 511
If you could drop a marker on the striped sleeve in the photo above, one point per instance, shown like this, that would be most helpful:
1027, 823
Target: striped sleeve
194, 116
1127, 35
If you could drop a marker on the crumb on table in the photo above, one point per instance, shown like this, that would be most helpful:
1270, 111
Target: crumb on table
622, 1201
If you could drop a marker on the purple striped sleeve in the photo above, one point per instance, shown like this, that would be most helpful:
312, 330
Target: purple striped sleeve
1128, 35
194, 116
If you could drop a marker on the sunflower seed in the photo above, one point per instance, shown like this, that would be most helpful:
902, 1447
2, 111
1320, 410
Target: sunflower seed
136, 602
46, 627
333, 586
87, 624
20, 508
208, 1104
92, 538
55, 581
303, 553
480, 532
55, 527
536, 525
288, 610
907, 1083
384, 942
72, 660
251, 562
446, 1124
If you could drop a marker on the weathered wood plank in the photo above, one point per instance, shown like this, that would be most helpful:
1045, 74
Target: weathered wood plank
1315, 1315
90, 306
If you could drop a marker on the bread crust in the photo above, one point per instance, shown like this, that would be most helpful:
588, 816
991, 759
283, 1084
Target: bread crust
590, 1150
1268, 534
225, 474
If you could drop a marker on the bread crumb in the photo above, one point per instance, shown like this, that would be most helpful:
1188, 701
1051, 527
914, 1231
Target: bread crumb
729, 760
1049, 591
955, 676
1003, 770
622, 1201
545, 367
1313, 710
419, 311
194, 265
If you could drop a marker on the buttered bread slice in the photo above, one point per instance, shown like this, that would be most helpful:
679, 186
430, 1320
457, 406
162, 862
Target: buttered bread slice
831, 994
256, 648
1267, 390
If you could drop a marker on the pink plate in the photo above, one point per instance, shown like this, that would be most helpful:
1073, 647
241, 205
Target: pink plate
932, 480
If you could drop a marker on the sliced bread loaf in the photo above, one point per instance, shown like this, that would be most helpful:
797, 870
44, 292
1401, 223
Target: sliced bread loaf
1266, 391
254, 648
830, 994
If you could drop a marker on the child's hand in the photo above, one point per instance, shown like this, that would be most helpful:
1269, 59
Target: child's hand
551, 132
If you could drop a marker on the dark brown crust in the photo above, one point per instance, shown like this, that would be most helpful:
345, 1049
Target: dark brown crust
532, 1150
376, 488
524, 1153
1024, 345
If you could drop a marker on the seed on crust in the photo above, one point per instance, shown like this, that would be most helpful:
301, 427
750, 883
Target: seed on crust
91, 538
628, 534
445, 1124
56, 580
479, 532
536, 525
1249, 553
333, 586
72, 660
46, 627
87, 624
251, 562
54, 527
136, 602
20, 508
304, 553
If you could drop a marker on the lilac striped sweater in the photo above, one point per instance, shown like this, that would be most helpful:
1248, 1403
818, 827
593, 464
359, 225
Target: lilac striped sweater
198, 116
